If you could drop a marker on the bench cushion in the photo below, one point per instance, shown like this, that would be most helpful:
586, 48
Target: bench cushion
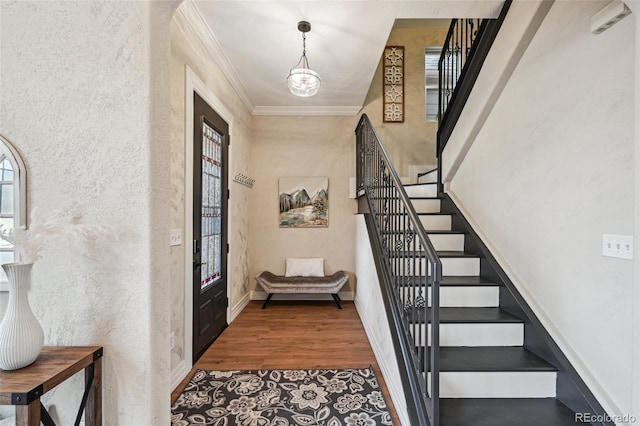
280, 284
304, 267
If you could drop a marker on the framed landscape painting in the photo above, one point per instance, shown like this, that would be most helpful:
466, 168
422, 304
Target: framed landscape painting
304, 202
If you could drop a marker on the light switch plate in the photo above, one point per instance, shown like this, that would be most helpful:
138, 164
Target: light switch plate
620, 246
176, 237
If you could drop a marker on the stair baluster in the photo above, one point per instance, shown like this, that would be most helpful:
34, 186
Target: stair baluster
411, 267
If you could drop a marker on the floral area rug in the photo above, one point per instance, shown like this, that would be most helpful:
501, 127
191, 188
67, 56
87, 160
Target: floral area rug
349, 397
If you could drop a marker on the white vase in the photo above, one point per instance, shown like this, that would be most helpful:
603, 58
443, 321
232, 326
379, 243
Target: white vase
21, 336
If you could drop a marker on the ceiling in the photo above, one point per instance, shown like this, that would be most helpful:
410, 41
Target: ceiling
258, 42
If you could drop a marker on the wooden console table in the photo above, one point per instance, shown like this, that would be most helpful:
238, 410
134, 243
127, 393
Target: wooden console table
23, 388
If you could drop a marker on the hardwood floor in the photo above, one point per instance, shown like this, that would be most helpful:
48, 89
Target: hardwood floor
292, 335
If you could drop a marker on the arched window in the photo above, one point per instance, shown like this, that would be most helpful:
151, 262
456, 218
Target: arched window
13, 199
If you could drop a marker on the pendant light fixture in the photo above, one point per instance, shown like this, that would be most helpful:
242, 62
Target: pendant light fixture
302, 80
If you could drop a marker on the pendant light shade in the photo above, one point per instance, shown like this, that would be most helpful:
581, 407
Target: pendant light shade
303, 81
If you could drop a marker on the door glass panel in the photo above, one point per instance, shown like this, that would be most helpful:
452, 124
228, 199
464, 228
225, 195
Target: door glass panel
211, 230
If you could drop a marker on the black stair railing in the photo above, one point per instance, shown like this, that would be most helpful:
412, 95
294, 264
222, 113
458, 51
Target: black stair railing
411, 266
456, 51
464, 51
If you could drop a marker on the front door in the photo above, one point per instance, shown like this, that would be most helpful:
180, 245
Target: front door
211, 141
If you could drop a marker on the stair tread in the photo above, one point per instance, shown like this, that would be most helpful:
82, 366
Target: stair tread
452, 253
491, 359
446, 232
453, 281
426, 173
419, 214
440, 253
473, 315
413, 197
418, 184
435, 231
505, 412
462, 280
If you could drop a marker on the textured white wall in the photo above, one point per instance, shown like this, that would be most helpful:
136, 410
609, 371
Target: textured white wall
549, 173
188, 50
84, 97
370, 305
516, 32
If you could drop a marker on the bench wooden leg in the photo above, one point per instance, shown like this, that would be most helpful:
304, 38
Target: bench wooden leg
337, 300
266, 302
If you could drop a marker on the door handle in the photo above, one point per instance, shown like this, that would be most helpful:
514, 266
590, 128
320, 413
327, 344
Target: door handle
197, 264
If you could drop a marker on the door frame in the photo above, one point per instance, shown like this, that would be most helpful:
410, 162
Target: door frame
195, 84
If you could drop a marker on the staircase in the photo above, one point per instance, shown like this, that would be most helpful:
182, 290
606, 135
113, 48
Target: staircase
487, 375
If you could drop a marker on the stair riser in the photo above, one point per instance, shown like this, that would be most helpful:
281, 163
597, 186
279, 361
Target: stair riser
441, 222
463, 266
437, 222
462, 297
447, 242
441, 242
426, 206
502, 384
429, 177
481, 334
421, 191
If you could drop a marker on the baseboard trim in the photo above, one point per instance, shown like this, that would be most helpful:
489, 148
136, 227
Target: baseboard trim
397, 394
178, 374
238, 307
261, 295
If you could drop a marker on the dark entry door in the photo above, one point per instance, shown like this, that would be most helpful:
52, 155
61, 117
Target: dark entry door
211, 141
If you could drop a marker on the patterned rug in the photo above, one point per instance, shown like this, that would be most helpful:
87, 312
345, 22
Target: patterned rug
349, 397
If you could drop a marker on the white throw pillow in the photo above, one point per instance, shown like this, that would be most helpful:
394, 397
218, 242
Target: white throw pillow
305, 267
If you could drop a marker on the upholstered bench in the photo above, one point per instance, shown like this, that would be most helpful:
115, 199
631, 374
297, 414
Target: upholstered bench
273, 284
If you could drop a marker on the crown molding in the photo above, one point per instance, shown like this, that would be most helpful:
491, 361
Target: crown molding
190, 13
308, 110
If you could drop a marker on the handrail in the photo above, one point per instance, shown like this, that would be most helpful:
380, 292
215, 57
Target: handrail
459, 47
411, 265
464, 51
